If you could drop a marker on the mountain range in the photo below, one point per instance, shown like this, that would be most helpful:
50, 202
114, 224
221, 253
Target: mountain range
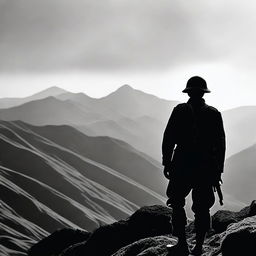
55, 176
12, 102
69, 160
126, 114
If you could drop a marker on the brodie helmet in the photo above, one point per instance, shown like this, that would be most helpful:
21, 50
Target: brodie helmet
196, 83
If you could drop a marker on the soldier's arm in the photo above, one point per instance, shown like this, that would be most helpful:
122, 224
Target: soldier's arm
169, 139
221, 142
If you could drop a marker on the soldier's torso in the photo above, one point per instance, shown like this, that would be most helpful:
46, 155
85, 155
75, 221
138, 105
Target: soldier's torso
196, 131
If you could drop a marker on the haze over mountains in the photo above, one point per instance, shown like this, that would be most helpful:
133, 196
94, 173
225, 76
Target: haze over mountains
240, 125
127, 114
12, 102
240, 175
69, 160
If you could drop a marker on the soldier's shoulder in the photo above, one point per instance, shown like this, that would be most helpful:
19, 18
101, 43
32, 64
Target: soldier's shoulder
179, 109
181, 106
212, 109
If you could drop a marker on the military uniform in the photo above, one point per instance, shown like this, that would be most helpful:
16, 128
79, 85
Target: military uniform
194, 149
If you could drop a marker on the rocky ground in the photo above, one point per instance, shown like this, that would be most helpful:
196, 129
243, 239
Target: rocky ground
148, 231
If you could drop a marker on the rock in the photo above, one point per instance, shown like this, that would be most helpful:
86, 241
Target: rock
146, 222
104, 241
252, 210
156, 246
240, 238
155, 220
148, 231
58, 241
222, 219
147, 246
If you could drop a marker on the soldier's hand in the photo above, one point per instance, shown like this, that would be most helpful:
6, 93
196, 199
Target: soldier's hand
167, 172
217, 181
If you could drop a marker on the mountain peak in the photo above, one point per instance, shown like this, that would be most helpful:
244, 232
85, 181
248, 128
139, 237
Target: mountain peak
51, 91
125, 88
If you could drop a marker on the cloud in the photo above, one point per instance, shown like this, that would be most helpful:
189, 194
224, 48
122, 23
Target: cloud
89, 35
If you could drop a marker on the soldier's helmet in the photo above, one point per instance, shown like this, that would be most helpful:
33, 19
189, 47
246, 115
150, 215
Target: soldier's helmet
196, 83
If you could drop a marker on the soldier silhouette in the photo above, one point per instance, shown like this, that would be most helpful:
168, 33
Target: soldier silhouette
193, 157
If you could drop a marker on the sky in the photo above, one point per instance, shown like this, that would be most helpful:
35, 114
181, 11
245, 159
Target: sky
155, 46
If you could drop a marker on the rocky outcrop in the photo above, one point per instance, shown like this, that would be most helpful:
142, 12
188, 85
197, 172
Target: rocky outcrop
146, 222
58, 241
148, 231
147, 246
240, 238
222, 219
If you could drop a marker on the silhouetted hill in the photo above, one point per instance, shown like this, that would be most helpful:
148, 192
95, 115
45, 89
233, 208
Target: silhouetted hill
12, 102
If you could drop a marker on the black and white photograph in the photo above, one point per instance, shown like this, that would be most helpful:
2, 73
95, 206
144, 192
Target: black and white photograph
127, 128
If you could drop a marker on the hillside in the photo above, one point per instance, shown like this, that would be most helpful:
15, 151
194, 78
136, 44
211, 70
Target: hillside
240, 173
240, 125
127, 114
55, 177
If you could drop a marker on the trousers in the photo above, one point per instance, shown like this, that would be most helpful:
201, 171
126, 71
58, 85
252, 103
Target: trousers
203, 199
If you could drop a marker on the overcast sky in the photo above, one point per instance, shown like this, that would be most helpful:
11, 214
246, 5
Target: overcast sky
96, 46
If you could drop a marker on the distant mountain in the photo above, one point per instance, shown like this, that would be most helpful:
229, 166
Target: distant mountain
240, 125
55, 176
130, 115
144, 133
127, 114
134, 103
12, 102
240, 175
49, 111
125, 102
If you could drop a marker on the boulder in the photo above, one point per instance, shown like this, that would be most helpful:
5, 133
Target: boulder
148, 221
252, 209
222, 219
58, 241
240, 238
148, 231
147, 246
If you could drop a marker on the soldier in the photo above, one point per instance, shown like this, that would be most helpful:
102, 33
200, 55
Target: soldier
193, 157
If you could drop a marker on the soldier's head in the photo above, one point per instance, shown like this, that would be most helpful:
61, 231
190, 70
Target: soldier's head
196, 87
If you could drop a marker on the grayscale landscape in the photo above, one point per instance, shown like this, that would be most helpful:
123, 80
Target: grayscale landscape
69, 160
86, 91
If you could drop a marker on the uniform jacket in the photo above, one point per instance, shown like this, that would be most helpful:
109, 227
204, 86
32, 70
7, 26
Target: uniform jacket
194, 137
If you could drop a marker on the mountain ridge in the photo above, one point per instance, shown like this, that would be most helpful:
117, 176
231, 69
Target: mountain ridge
12, 102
